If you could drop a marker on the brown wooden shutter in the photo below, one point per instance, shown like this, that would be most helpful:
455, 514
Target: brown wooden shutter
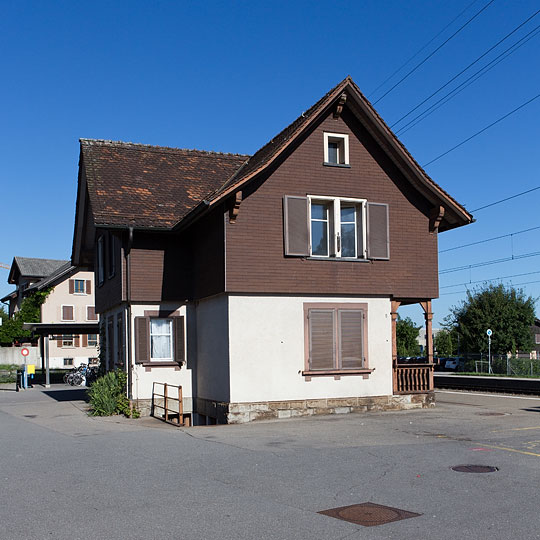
67, 313
296, 226
71, 286
351, 353
321, 339
85, 340
59, 340
178, 330
378, 231
88, 286
77, 340
142, 340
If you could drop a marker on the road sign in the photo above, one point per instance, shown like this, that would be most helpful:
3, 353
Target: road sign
25, 351
489, 332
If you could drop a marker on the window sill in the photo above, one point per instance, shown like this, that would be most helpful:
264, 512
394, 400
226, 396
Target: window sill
149, 365
340, 259
342, 165
337, 373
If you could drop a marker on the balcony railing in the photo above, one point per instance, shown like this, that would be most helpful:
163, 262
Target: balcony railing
413, 378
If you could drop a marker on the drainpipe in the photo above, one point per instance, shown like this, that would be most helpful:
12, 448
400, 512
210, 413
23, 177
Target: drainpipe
129, 366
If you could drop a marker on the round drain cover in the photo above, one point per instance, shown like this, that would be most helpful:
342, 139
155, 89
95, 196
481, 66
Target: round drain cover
475, 468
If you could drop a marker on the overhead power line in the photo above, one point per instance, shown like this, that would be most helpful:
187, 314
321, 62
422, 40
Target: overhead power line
482, 130
422, 48
491, 279
435, 51
466, 68
488, 263
514, 285
467, 82
505, 199
489, 239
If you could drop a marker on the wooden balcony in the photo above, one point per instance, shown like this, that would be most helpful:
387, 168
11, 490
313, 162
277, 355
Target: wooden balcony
413, 378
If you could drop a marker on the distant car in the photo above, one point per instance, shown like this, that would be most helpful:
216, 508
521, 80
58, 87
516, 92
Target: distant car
454, 364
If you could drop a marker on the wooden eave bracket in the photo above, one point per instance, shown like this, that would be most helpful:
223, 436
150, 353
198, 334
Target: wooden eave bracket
235, 208
435, 217
339, 107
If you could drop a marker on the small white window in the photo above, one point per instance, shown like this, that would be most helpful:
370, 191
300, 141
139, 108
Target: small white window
79, 286
67, 340
68, 362
161, 339
92, 340
336, 149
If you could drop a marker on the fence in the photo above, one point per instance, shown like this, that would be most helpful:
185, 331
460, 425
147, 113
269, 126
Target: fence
413, 378
503, 365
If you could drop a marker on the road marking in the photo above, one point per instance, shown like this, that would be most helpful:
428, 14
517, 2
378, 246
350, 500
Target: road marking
482, 394
515, 429
511, 450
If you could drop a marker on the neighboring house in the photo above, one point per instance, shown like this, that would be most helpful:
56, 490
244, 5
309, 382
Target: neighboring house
267, 286
421, 339
70, 301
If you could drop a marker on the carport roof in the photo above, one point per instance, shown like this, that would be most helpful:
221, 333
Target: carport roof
62, 328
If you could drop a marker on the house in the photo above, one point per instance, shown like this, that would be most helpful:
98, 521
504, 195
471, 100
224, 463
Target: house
267, 286
70, 302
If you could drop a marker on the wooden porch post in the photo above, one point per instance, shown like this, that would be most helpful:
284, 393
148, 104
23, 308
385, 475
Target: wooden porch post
394, 315
426, 306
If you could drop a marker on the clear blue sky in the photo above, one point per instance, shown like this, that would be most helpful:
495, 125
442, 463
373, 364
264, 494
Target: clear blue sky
227, 76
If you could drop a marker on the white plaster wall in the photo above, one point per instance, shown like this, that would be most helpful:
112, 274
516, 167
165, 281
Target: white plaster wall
143, 380
267, 350
212, 374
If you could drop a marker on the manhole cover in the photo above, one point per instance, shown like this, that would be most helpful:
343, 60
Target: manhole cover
491, 414
369, 514
475, 468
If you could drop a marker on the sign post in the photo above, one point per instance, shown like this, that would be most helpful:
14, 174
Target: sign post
489, 334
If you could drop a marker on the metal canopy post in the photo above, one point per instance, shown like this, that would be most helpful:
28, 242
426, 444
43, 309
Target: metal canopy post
46, 354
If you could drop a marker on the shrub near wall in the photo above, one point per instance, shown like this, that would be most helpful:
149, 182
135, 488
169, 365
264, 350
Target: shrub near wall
108, 395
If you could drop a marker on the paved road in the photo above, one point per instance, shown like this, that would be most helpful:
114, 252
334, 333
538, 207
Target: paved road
69, 476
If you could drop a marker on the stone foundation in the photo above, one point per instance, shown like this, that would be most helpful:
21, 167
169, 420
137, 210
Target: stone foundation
145, 406
240, 413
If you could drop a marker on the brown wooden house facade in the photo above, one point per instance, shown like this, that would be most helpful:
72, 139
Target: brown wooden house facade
266, 285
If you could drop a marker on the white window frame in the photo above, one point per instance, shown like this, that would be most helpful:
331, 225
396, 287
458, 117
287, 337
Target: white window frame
62, 312
342, 138
75, 286
170, 334
95, 341
334, 245
71, 364
69, 342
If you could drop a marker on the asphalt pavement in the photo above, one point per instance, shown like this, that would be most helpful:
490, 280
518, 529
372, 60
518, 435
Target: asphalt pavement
66, 475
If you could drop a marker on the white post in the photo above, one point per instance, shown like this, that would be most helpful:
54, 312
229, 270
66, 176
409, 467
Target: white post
46, 351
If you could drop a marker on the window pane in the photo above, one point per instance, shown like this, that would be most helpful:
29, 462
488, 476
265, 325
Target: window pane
160, 339
319, 211
348, 240
160, 326
321, 339
350, 335
333, 152
319, 238
79, 286
347, 214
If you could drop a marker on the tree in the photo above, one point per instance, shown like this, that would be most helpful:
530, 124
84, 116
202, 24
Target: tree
406, 335
506, 310
12, 329
445, 342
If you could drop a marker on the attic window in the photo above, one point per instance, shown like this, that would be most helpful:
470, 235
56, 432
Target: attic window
336, 149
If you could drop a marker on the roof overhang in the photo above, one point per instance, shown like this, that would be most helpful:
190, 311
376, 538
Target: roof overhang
44, 329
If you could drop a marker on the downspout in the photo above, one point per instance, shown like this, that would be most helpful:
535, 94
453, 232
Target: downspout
129, 365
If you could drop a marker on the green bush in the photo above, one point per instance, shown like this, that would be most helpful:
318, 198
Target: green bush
108, 395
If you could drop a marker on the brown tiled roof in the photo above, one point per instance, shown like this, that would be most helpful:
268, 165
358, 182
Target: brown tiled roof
150, 186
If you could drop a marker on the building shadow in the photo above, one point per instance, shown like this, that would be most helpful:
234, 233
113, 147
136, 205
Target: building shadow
68, 394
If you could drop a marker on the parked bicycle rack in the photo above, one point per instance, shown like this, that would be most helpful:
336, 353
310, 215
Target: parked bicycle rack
172, 407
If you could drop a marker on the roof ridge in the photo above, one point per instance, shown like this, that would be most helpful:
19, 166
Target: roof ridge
156, 148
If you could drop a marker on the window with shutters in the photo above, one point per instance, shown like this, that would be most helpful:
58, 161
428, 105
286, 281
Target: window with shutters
67, 340
336, 149
336, 339
159, 340
335, 228
68, 313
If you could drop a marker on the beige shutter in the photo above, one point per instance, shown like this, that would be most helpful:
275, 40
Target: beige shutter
71, 286
85, 340
296, 226
321, 339
350, 325
178, 330
142, 340
67, 313
378, 231
88, 286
